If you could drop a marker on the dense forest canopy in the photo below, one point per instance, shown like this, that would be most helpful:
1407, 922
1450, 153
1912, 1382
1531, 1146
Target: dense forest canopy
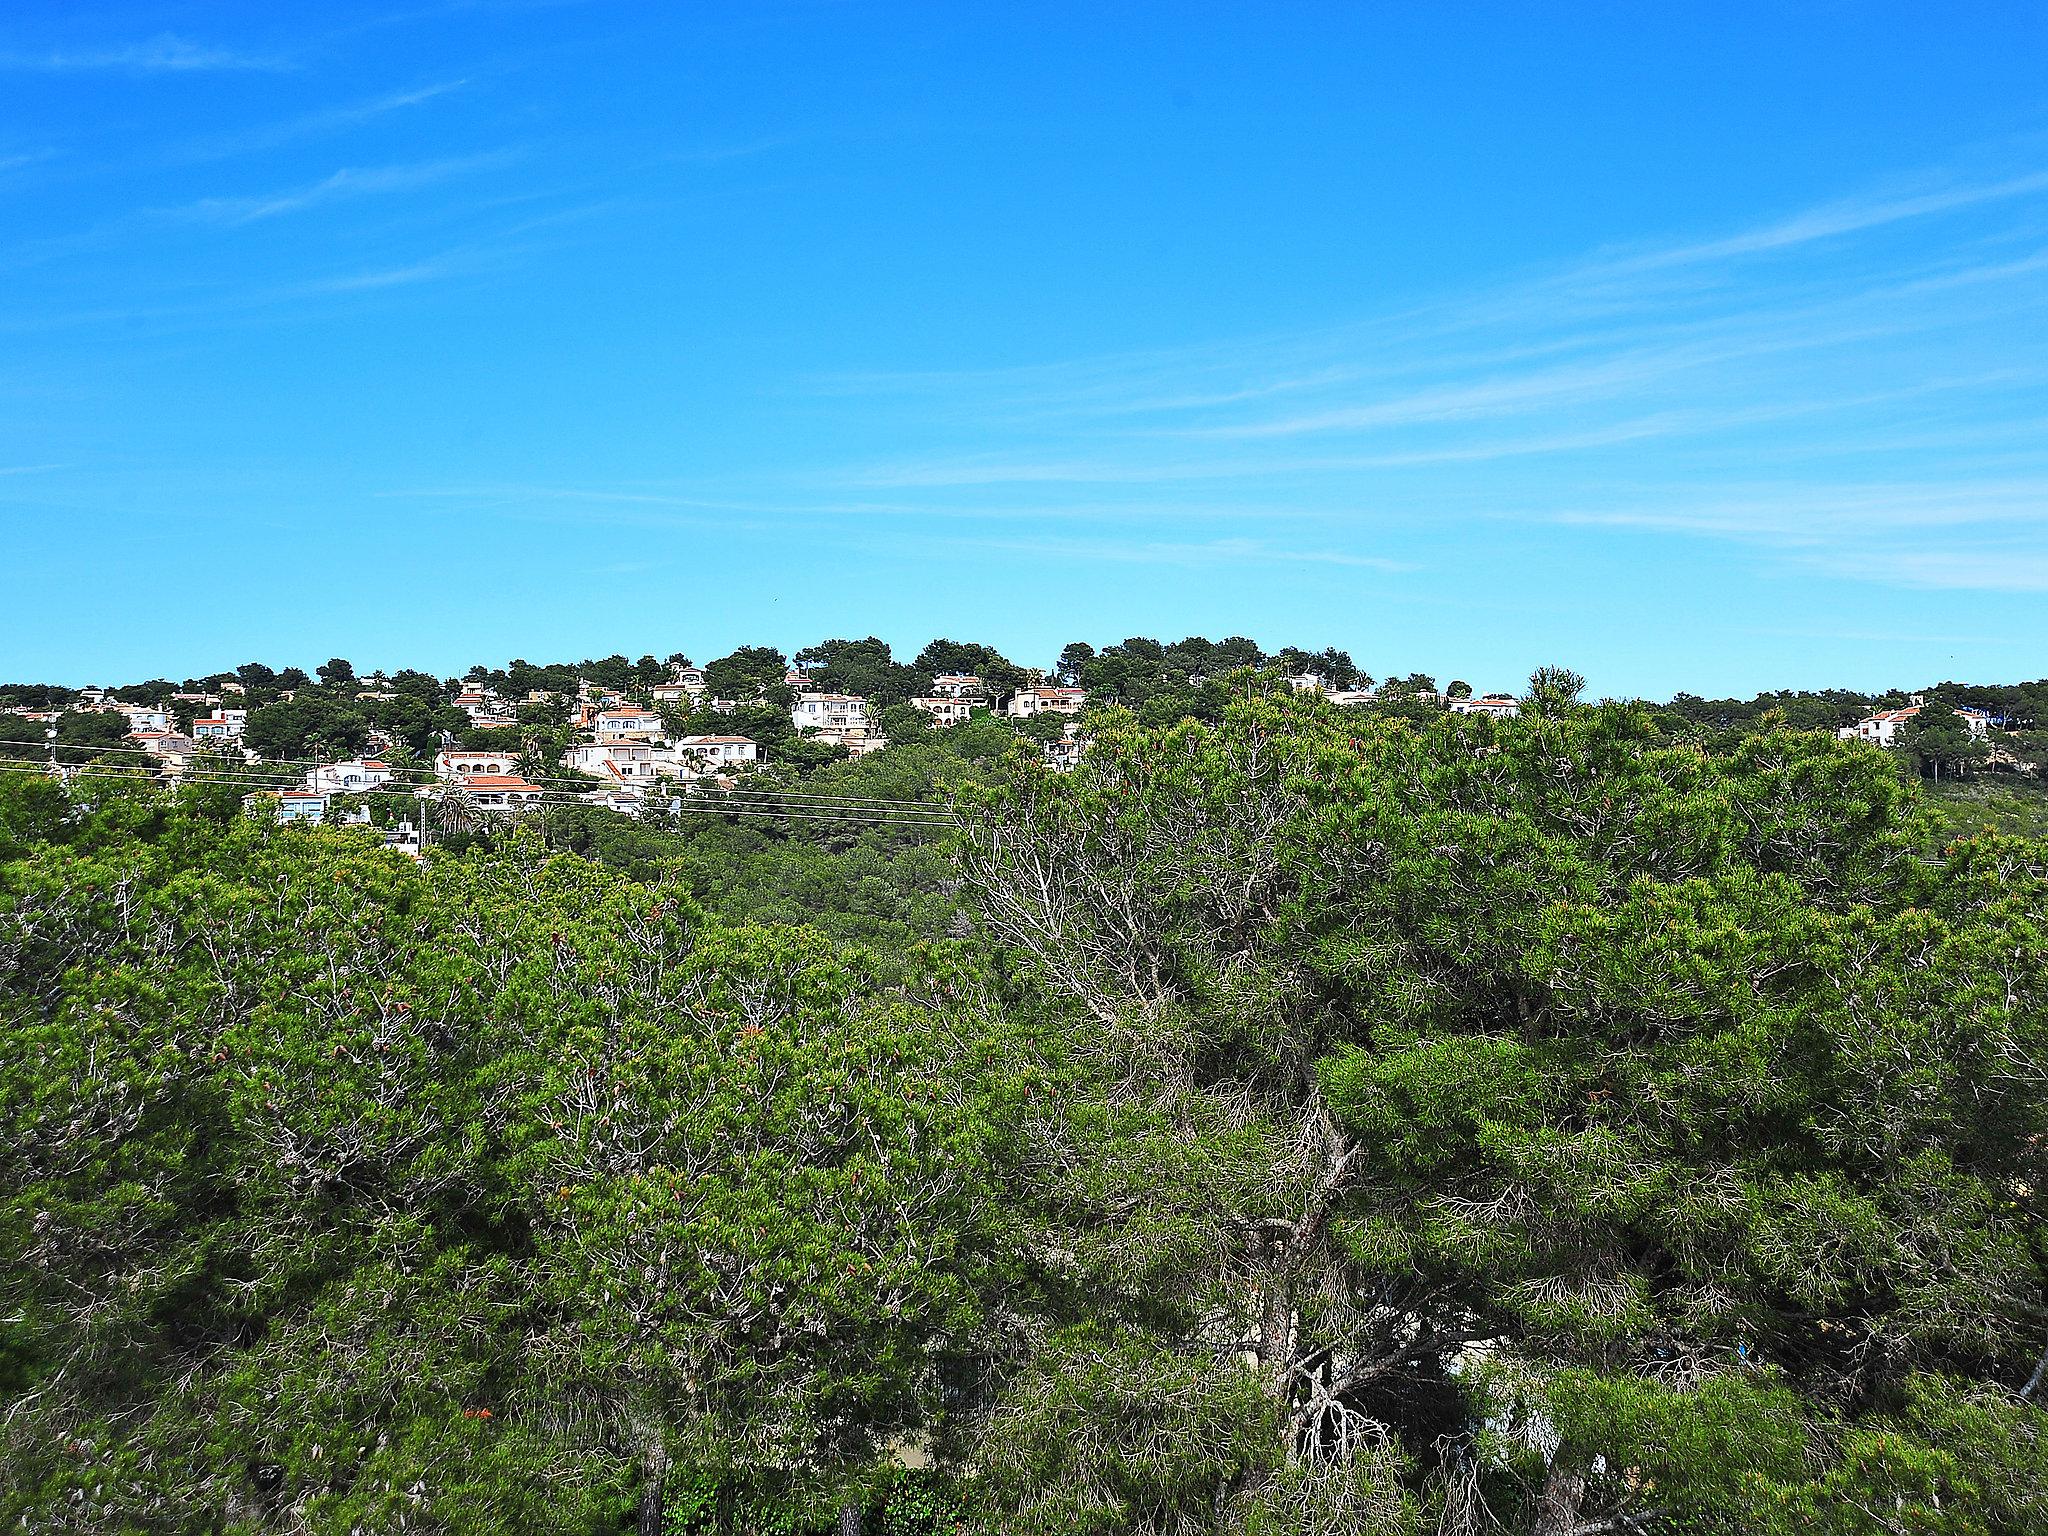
1294, 1119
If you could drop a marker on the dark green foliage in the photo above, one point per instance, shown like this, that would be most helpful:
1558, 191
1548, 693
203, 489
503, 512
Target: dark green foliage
1940, 744
1295, 1120
863, 667
1631, 1131
751, 672
348, 1193
311, 723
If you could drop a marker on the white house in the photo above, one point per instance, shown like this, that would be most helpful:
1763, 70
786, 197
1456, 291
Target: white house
686, 684
175, 752
624, 762
703, 756
142, 719
958, 685
1065, 754
838, 713
1046, 701
1308, 682
950, 709
501, 791
1498, 705
459, 762
352, 777
226, 725
627, 723
1883, 728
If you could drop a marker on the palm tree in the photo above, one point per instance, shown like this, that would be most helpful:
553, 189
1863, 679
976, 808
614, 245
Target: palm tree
456, 811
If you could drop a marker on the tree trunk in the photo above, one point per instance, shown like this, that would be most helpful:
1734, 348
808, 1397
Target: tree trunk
1275, 1324
1564, 1490
849, 1518
653, 1487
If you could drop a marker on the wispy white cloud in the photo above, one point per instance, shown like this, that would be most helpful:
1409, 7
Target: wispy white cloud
378, 277
314, 124
1830, 221
1945, 569
166, 53
15, 160
1809, 513
341, 185
1872, 350
1164, 552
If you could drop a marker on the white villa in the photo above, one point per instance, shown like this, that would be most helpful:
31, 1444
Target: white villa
626, 762
685, 686
176, 752
348, 778
1065, 754
627, 723
460, 762
1883, 727
705, 756
226, 725
1499, 705
950, 709
1046, 701
501, 791
835, 713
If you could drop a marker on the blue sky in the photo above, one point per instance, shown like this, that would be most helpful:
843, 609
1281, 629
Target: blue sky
1694, 345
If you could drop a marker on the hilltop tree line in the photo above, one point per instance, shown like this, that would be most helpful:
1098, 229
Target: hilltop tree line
1294, 1119
334, 711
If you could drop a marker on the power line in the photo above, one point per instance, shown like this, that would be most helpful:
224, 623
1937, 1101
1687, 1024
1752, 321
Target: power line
830, 816
580, 784
685, 808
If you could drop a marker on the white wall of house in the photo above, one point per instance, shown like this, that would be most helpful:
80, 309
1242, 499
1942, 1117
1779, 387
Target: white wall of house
627, 725
456, 762
1884, 727
1499, 705
704, 756
1046, 701
627, 760
829, 712
348, 778
950, 710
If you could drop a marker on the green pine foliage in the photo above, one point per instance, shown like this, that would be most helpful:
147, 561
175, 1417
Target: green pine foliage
1293, 1120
